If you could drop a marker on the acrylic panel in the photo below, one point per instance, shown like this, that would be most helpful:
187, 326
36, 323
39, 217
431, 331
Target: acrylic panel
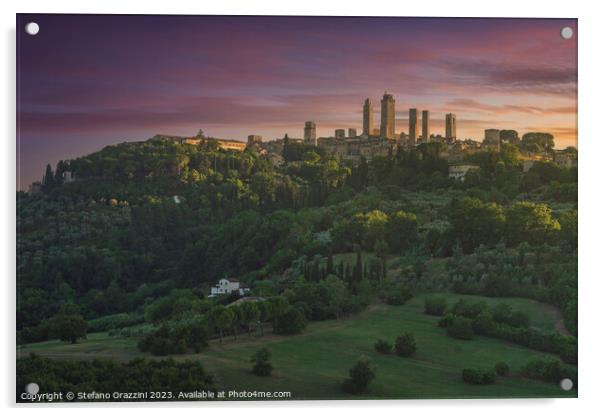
295, 208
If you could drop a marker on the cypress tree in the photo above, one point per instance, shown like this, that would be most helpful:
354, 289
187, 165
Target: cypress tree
330, 264
48, 182
358, 264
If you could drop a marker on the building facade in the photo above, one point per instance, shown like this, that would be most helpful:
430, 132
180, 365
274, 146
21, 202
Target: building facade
225, 144
387, 116
339, 133
351, 132
458, 171
226, 286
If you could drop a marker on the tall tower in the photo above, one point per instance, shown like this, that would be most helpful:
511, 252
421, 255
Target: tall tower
450, 127
413, 129
387, 116
368, 118
309, 133
492, 139
426, 135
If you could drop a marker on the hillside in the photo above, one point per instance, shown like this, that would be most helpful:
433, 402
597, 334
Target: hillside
135, 243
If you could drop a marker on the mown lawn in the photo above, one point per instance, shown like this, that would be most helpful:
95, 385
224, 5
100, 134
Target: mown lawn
313, 364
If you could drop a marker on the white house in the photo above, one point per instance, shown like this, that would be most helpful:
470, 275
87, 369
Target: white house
226, 286
459, 171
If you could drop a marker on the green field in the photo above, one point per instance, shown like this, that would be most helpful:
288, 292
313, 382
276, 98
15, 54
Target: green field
313, 364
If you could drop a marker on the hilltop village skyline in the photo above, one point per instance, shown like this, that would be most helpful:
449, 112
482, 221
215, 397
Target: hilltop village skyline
351, 145
381, 141
418, 128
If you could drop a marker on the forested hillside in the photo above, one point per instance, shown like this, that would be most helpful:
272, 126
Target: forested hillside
144, 219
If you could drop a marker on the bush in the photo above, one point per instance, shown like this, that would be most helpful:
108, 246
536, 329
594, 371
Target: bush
291, 322
69, 328
568, 353
484, 324
476, 376
446, 320
383, 346
360, 376
398, 296
502, 369
405, 344
176, 338
548, 370
503, 314
108, 322
469, 309
460, 328
262, 365
162, 342
435, 305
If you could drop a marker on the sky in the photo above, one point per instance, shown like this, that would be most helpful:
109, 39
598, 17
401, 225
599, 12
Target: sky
87, 81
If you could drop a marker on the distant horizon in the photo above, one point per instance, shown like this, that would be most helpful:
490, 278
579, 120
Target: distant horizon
88, 81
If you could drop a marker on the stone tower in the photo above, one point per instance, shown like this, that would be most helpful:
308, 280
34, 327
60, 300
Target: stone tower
387, 116
368, 118
426, 134
450, 127
309, 133
413, 128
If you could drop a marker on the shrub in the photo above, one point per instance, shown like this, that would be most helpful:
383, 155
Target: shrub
176, 338
360, 376
501, 312
69, 328
568, 353
262, 365
291, 322
469, 309
398, 296
108, 322
435, 305
484, 324
446, 320
162, 342
383, 346
502, 369
405, 344
460, 328
477, 376
548, 370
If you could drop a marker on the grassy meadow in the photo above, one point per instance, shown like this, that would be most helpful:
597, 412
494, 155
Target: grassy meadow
313, 364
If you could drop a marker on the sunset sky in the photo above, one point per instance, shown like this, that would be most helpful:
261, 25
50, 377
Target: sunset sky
88, 81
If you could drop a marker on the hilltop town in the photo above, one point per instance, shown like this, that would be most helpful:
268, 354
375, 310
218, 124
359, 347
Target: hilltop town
374, 141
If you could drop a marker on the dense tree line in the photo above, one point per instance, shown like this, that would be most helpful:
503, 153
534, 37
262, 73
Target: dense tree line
104, 376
